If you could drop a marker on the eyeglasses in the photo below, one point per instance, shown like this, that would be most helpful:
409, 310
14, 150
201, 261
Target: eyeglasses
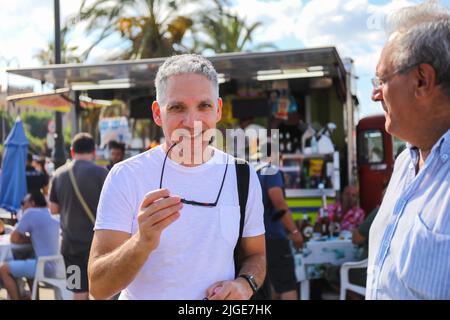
192, 202
378, 82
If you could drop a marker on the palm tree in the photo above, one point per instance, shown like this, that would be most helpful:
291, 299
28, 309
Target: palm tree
226, 32
152, 27
68, 53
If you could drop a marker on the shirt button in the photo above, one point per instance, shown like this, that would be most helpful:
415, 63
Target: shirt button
411, 166
444, 157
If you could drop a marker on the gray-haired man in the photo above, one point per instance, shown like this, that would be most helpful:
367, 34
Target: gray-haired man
167, 225
409, 246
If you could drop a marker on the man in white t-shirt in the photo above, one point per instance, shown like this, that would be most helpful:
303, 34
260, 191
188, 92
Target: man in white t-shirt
167, 224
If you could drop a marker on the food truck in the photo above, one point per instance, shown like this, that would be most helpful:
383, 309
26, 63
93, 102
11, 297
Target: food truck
308, 95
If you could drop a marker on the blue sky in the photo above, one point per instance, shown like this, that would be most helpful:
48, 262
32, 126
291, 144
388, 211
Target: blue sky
353, 26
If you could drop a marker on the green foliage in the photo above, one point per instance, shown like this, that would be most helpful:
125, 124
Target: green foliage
227, 32
36, 122
35, 145
67, 133
68, 53
8, 121
155, 28
149, 28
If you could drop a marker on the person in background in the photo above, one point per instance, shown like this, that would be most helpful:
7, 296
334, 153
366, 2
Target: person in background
43, 232
360, 237
36, 180
77, 221
117, 153
347, 213
39, 164
280, 228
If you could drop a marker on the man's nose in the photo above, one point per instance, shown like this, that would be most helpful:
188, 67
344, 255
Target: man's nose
189, 119
377, 94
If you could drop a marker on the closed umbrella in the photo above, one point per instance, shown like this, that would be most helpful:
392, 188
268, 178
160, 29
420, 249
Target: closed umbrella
14, 182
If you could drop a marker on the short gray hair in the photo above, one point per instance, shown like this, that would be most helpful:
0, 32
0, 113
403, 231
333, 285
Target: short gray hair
424, 37
184, 64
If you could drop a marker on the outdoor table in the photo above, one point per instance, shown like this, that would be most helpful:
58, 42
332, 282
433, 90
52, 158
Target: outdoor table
311, 261
4, 214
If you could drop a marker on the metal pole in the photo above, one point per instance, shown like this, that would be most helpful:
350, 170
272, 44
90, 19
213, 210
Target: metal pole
58, 154
4, 111
75, 112
351, 148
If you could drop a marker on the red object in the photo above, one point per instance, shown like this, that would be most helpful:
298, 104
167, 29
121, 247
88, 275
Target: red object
375, 160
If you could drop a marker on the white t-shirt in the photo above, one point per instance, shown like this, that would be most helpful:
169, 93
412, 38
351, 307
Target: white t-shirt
196, 250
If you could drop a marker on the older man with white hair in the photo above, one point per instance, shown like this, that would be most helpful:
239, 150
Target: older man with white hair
409, 248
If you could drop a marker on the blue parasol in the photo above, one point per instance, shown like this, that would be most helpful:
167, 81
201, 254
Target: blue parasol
13, 183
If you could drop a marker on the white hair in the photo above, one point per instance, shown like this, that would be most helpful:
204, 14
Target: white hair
422, 35
184, 64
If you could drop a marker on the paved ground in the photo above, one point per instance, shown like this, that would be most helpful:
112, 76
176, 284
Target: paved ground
45, 294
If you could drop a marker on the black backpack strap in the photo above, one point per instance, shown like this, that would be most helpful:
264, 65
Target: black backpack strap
243, 181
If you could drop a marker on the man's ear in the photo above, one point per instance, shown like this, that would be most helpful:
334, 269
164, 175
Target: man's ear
156, 110
219, 109
425, 81
72, 153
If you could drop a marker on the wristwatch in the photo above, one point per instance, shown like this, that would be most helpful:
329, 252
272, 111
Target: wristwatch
251, 281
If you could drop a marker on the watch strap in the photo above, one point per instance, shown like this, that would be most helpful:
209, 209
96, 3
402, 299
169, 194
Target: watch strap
251, 281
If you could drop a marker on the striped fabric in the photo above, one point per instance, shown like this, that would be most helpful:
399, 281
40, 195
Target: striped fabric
409, 241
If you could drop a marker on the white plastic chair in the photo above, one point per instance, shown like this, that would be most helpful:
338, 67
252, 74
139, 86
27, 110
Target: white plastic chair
345, 283
57, 283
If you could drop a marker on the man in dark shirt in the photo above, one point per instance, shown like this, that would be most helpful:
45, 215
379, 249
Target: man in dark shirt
77, 220
36, 180
280, 227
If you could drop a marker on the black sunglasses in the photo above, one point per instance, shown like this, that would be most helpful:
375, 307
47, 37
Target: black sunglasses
192, 202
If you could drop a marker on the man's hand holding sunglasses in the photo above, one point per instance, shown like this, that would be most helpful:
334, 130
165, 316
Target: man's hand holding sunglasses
157, 211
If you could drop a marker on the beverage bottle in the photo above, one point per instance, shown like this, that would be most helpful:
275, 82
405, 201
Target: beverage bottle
337, 220
306, 228
317, 228
306, 180
324, 223
333, 228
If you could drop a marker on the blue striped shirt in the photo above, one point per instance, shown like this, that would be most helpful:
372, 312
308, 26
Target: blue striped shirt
409, 246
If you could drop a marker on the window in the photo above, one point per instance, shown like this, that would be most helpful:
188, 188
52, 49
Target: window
370, 147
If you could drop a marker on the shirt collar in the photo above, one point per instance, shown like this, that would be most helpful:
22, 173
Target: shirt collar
444, 143
442, 146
